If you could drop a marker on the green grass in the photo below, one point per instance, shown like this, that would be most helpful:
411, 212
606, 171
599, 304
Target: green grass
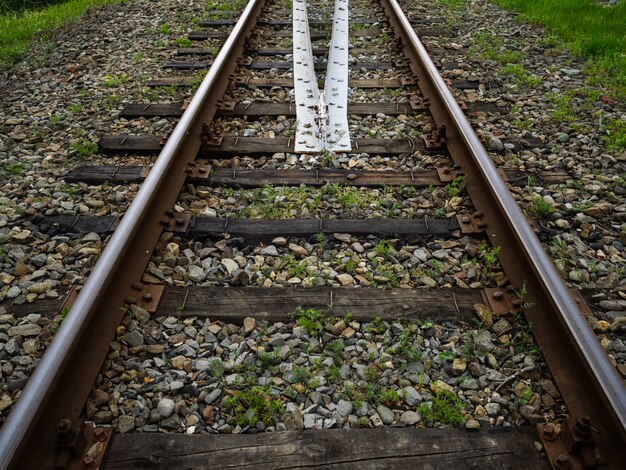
254, 405
446, 408
588, 29
541, 209
616, 135
19, 30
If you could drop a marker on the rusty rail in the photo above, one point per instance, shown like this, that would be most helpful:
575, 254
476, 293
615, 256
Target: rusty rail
588, 382
59, 386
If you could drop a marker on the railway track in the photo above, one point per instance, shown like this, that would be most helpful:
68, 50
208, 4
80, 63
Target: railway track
443, 192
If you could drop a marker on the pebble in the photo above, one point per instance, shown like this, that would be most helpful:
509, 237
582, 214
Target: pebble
165, 407
386, 415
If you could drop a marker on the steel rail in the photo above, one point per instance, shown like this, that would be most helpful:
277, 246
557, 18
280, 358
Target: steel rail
587, 380
60, 385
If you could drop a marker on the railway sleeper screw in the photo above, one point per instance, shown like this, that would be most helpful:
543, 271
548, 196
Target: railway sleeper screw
583, 426
130, 300
137, 285
498, 295
562, 462
147, 297
548, 432
70, 439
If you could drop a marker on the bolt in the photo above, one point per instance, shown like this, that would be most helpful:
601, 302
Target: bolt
137, 285
548, 432
147, 296
65, 430
478, 215
562, 462
583, 426
179, 221
498, 295
465, 220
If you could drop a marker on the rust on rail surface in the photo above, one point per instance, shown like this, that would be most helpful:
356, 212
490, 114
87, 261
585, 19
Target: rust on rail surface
588, 382
59, 386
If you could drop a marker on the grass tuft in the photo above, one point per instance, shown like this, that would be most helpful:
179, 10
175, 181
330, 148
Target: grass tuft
588, 28
19, 30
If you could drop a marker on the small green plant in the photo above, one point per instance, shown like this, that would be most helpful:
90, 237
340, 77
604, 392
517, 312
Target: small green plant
615, 138
70, 189
384, 248
311, 319
389, 396
371, 374
333, 374
74, 108
446, 355
57, 324
454, 188
15, 169
254, 405
56, 120
393, 91
268, 359
113, 81
322, 240
137, 58
84, 148
563, 108
541, 208
217, 369
165, 29
336, 349
489, 253
182, 42
446, 407
521, 295
521, 75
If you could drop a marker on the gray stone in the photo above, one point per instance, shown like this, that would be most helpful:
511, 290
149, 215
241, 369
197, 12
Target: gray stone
501, 326
410, 417
133, 338
196, 274
492, 409
482, 341
495, 144
165, 407
212, 396
172, 422
344, 408
309, 420
125, 424
269, 250
27, 329
411, 396
386, 415
342, 237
